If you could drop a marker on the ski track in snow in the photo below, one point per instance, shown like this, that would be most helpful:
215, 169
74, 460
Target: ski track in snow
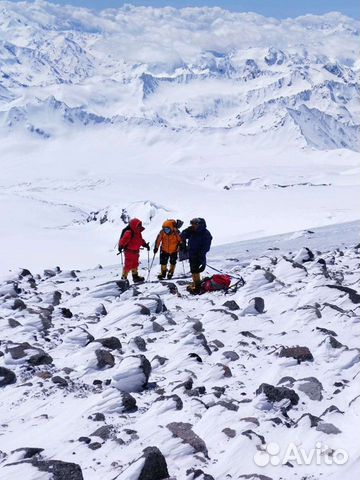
199, 405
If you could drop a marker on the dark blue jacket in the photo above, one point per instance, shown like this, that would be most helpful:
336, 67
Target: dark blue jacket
199, 240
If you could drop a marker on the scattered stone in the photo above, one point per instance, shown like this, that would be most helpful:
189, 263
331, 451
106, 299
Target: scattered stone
59, 381
49, 273
140, 343
25, 273
353, 295
101, 310
233, 356
86, 440
228, 405
67, 313
250, 434
18, 304
198, 474
276, 394
174, 397
40, 358
184, 431
231, 305
94, 446
155, 467
59, 470
326, 331
311, 387
104, 358
28, 452
157, 327
7, 377
301, 354
128, 402
196, 356
229, 432
112, 343
332, 409
143, 310
327, 428
226, 370
161, 360
304, 255
97, 417
56, 298
13, 323
334, 343
103, 432
259, 304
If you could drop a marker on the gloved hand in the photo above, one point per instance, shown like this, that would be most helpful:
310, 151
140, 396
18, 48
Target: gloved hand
120, 249
155, 250
147, 246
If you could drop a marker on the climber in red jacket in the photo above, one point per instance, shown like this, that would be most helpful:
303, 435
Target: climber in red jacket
130, 242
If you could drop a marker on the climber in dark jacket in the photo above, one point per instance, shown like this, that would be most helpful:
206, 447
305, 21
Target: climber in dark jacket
197, 240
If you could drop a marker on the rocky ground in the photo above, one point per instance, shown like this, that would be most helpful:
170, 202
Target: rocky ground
151, 383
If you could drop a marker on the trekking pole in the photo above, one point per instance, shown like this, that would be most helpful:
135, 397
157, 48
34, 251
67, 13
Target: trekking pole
183, 268
222, 273
152, 262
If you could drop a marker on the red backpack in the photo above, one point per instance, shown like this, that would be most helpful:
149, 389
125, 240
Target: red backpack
216, 282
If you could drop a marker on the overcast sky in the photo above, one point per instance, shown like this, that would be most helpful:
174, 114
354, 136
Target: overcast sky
274, 8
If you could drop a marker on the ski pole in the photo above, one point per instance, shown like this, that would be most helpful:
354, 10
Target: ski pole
150, 267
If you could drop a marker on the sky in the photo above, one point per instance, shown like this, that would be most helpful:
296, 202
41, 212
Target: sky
272, 8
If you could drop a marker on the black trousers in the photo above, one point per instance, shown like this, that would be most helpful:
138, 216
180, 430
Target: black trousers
196, 265
164, 258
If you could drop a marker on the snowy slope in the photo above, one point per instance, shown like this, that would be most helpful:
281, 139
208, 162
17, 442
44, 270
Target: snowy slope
250, 122
103, 375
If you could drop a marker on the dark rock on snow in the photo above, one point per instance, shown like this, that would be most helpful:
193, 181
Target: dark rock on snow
231, 305
155, 467
66, 313
104, 359
112, 343
276, 394
184, 431
59, 381
7, 377
301, 354
59, 470
19, 305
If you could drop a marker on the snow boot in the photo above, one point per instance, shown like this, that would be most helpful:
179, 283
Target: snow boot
162, 274
171, 272
136, 277
195, 287
125, 274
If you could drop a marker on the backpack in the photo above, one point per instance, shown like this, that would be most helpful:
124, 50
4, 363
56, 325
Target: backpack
124, 230
215, 283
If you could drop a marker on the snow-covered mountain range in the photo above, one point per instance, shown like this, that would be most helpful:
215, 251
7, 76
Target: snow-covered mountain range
181, 69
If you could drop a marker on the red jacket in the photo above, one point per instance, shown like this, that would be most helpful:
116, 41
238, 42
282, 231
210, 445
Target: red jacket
132, 238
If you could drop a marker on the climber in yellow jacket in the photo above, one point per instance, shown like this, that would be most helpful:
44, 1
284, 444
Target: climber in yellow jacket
168, 240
